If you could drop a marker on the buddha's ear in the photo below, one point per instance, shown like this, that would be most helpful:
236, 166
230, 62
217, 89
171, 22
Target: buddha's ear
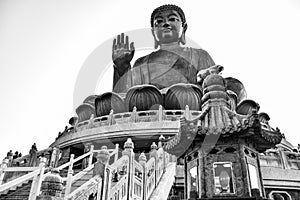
182, 38
156, 44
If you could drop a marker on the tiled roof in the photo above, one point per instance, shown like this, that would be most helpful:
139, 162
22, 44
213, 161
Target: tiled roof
217, 119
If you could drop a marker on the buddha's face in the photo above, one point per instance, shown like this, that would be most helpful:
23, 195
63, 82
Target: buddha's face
167, 27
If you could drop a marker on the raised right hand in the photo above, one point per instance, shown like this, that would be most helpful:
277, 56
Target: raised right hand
122, 52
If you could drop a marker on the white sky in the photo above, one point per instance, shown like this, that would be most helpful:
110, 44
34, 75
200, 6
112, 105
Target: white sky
44, 44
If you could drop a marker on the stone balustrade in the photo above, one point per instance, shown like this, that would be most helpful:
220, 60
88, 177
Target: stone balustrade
136, 117
280, 159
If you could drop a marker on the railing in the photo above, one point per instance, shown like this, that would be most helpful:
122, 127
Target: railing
271, 158
150, 177
136, 117
35, 174
293, 160
128, 178
24, 160
92, 185
123, 178
88, 188
118, 179
70, 179
281, 159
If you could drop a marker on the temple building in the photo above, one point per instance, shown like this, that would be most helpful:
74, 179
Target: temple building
172, 128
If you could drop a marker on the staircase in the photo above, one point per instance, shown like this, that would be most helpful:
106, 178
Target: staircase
162, 190
86, 177
149, 178
19, 193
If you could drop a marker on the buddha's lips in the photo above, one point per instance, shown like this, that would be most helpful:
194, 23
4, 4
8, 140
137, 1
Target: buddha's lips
167, 29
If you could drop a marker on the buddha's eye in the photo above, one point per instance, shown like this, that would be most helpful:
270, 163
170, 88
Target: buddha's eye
172, 19
158, 21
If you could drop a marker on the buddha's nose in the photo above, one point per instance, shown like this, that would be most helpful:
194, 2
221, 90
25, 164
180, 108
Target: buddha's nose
166, 24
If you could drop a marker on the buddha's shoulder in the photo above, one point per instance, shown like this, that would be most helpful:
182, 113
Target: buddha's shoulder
194, 50
141, 59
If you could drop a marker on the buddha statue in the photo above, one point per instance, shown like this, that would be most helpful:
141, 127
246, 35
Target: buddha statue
170, 64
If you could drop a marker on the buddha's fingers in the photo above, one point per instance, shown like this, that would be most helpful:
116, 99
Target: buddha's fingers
122, 44
127, 43
118, 39
132, 46
114, 47
122, 38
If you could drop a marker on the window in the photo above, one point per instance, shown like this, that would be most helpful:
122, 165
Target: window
193, 182
223, 178
253, 177
280, 195
193, 179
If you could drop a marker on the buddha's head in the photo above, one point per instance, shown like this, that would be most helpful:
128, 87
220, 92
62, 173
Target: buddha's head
168, 25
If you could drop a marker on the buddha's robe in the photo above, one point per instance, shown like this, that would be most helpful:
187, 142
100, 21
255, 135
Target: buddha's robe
164, 68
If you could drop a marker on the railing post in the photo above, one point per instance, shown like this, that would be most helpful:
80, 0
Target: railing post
111, 118
100, 169
129, 146
153, 153
160, 145
4, 165
117, 153
143, 161
160, 113
91, 155
133, 115
91, 121
37, 180
187, 113
69, 178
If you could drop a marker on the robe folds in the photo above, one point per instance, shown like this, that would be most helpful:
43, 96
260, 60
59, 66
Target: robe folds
164, 68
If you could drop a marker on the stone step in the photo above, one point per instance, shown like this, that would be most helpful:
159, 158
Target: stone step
20, 193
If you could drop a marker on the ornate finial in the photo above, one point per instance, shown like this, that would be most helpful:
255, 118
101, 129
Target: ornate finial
134, 109
161, 138
153, 146
129, 144
142, 157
